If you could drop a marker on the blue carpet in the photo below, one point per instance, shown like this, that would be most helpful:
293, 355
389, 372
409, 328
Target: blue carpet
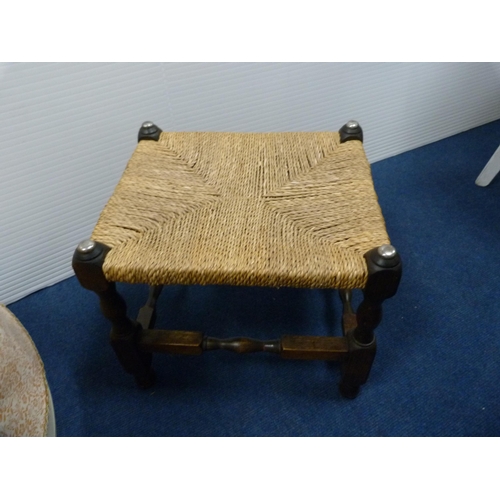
437, 367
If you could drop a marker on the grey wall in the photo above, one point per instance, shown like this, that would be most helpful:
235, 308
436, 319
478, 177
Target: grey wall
67, 130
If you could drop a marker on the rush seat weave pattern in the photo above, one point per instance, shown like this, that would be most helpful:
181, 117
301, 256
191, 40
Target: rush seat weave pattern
273, 209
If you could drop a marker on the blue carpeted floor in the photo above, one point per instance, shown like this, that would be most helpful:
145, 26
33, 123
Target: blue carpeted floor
437, 369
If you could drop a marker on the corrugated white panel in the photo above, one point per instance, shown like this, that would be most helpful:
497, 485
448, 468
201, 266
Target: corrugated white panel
67, 130
400, 105
66, 133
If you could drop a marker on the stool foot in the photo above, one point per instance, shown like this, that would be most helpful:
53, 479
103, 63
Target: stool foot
133, 361
348, 391
146, 381
356, 368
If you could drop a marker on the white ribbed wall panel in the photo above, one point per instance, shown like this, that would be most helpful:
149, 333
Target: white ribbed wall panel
400, 105
67, 130
66, 133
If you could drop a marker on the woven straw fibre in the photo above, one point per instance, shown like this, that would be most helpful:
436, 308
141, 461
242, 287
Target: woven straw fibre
254, 209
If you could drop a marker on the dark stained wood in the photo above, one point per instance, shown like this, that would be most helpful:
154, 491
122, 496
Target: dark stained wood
242, 345
123, 337
349, 321
147, 313
381, 285
134, 344
290, 347
346, 298
323, 348
356, 367
124, 331
384, 276
171, 341
350, 134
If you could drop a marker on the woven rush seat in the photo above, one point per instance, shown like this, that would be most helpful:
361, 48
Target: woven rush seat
255, 209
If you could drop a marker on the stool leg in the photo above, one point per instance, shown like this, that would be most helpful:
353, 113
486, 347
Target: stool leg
348, 315
384, 274
88, 260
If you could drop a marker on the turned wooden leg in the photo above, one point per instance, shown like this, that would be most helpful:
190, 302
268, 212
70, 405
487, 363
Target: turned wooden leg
384, 274
348, 321
147, 313
88, 260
